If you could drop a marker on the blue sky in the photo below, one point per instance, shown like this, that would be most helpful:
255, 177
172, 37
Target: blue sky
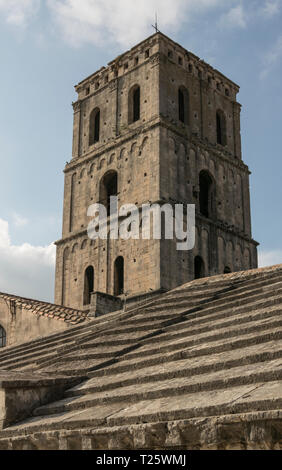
48, 46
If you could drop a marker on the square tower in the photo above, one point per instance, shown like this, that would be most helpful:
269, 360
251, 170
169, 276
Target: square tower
157, 125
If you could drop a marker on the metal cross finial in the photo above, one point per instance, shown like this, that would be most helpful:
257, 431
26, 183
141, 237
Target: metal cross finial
156, 24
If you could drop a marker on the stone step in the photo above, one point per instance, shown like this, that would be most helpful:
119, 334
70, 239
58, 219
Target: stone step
242, 277
211, 314
96, 368
169, 370
45, 341
26, 360
136, 351
41, 346
212, 284
191, 338
243, 318
241, 399
78, 367
102, 353
233, 298
121, 340
242, 287
186, 350
202, 317
242, 375
237, 316
54, 342
45, 360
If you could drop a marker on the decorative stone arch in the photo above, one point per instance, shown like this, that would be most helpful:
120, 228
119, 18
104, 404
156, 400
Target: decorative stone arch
134, 104
92, 168
65, 273
207, 194
88, 285
119, 276
108, 187
83, 173
72, 201
112, 158
102, 164
84, 244
122, 153
3, 337
94, 126
221, 130
74, 248
183, 105
133, 147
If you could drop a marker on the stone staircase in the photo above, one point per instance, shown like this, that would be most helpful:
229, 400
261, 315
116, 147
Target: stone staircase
198, 368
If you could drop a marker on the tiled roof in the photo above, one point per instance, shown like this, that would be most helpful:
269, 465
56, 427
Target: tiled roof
45, 309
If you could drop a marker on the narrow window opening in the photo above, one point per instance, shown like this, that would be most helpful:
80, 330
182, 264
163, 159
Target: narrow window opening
199, 268
136, 105
3, 337
206, 194
108, 188
220, 128
88, 285
134, 109
183, 105
119, 276
94, 130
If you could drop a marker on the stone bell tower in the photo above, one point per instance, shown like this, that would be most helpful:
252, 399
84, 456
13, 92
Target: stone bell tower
157, 125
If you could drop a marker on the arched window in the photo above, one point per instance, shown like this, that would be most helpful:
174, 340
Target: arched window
94, 126
227, 270
206, 194
221, 127
119, 276
199, 267
183, 105
108, 188
88, 285
3, 337
134, 104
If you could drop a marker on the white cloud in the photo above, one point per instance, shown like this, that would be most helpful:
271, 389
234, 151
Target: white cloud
271, 8
271, 58
122, 21
269, 258
25, 269
19, 221
18, 12
236, 17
